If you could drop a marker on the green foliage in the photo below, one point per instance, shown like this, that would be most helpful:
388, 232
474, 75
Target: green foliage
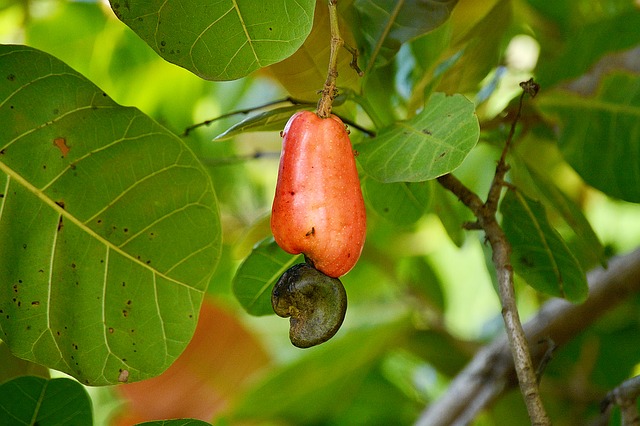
429, 145
252, 289
538, 252
190, 34
387, 24
110, 227
599, 134
401, 203
34, 400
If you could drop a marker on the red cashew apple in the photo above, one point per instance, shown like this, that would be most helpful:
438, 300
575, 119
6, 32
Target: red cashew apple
318, 209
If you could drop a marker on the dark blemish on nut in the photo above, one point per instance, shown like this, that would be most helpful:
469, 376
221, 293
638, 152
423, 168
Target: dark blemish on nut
311, 232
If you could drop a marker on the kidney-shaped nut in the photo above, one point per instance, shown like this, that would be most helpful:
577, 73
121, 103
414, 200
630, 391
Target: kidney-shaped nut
315, 302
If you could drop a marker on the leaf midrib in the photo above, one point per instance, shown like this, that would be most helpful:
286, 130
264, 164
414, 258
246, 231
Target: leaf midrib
68, 216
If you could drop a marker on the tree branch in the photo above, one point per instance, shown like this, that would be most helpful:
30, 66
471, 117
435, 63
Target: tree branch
490, 372
486, 220
625, 396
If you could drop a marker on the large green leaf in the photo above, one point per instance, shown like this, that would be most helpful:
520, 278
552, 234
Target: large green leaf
433, 143
109, 227
539, 255
30, 400
599, 135
219, 40
258, 274
384, 25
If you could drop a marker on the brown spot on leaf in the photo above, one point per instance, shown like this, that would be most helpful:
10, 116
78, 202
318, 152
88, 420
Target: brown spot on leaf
123, 377
61, 144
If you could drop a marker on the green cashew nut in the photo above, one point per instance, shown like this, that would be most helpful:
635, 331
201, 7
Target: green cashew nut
315, 302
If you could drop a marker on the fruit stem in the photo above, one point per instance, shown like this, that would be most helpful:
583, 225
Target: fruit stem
330, 90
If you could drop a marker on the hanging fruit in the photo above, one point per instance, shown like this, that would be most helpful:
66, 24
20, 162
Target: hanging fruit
318, 209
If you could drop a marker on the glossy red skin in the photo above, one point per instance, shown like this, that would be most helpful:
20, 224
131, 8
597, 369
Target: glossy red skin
318, 208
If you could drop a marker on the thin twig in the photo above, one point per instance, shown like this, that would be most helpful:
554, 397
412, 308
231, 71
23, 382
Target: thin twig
245, 111
625, 396
330, 91
486, 215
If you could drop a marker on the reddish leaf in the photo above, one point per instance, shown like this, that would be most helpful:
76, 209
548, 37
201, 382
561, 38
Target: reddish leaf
212, 371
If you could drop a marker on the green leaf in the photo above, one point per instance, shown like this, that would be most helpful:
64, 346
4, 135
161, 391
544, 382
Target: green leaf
480, 49
109, 227
33, 400
257, 275
384, 25
599, 135
452, 214
539, 255
545, 189
401, 203
433, 143
603, 36
323, 377
271, 120
219, 40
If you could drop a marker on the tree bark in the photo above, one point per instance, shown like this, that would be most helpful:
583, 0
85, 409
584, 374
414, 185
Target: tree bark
491, 372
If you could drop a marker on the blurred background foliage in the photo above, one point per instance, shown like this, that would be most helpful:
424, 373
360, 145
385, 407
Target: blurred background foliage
421, 299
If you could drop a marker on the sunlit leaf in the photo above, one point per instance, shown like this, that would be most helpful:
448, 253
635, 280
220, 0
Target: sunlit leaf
30, 400
221, 40
599, 135
401, 203
384, 25
479, 50
271, 120
303, 74
433, 143
109, 227
218, 365
257, 275
539, 255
